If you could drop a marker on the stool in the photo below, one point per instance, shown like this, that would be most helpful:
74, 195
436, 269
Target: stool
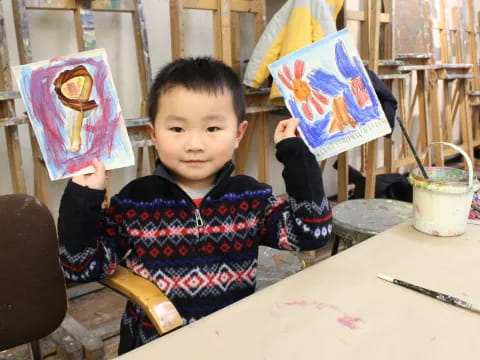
275, 265
360, 219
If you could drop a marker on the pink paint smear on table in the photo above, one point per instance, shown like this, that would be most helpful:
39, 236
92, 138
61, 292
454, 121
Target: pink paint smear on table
303, 303
345, 320
348, 321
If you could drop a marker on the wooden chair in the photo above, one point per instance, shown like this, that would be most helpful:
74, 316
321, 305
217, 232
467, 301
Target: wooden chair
161, 312
33, 300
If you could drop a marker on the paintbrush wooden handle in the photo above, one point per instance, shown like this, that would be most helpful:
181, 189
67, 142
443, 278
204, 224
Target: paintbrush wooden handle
432, 293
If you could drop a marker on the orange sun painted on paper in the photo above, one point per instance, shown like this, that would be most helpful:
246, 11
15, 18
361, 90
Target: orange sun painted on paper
310, 99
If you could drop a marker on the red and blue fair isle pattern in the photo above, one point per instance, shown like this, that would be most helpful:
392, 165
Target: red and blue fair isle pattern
200, 268
202, 258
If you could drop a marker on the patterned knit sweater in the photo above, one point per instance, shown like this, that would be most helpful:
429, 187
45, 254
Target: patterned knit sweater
203, 258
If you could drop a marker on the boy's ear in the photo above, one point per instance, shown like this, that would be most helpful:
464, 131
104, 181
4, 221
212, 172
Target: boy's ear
151, 131
242, 128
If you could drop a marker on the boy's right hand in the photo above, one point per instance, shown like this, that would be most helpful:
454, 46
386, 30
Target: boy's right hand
97, 180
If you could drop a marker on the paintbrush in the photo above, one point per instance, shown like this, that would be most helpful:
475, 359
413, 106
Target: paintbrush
439, 296
410, 144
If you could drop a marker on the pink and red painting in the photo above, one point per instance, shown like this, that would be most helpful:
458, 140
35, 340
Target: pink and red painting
75, 113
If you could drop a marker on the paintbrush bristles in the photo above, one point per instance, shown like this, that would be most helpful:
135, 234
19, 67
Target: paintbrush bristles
385, 277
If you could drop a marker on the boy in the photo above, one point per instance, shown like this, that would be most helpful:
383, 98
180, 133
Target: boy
191, 228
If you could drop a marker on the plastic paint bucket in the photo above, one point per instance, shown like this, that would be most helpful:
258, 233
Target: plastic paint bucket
442, 202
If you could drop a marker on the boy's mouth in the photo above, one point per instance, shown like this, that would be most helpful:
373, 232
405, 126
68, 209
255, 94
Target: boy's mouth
194, 161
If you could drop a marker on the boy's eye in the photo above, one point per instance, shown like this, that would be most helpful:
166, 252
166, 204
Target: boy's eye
176, 129
213, 128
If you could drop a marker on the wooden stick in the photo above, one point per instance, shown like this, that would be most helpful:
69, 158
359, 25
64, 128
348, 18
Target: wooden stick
412, 148
374, 39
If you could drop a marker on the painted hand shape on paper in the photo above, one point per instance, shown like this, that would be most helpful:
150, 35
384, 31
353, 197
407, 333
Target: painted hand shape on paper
75, 113
326, 86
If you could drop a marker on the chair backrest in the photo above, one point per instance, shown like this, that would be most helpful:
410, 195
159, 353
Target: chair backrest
33, 298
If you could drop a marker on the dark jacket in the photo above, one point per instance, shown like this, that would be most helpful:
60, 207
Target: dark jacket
202, 258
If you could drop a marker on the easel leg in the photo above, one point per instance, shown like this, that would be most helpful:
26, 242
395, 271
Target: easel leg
371, 169
15, 159
342, 180
40, 174
262, 147
436, 122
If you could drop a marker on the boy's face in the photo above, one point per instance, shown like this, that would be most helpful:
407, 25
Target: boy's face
195, 134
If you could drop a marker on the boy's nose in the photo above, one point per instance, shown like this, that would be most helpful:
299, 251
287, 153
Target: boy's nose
195, 143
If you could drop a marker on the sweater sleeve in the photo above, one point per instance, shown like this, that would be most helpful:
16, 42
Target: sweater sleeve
92, 241
303, 222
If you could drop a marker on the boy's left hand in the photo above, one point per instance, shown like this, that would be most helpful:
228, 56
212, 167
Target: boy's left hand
286, 129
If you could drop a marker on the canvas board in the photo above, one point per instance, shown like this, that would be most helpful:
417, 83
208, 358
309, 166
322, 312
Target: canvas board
75, 113
326, 86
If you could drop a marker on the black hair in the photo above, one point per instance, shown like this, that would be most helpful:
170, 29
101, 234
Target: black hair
202, 74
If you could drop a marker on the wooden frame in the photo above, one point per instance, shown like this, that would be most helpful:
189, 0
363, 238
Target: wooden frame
474, 95
454, 102
371, 20
8, 119
85, 36
424, 100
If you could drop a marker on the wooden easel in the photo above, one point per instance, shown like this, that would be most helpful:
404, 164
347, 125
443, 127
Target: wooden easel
424, 100
371, 20
416, 51
85, 34
474, 95
226, 35
394, 75
8, 120
459, 75
365, 18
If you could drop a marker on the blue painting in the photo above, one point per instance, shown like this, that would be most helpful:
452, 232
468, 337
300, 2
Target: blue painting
326, 86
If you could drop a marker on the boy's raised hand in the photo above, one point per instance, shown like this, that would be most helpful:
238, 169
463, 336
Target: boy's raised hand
286, 129
97, 180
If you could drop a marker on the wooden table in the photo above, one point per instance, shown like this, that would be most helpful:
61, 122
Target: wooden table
338, 309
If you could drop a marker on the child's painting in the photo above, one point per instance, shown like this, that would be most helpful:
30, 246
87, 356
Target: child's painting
74, 110
326, 86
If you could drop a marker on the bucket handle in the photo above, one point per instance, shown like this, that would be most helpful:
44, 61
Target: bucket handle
464, 154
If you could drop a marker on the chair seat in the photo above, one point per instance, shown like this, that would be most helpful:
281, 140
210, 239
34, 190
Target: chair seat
360, 219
